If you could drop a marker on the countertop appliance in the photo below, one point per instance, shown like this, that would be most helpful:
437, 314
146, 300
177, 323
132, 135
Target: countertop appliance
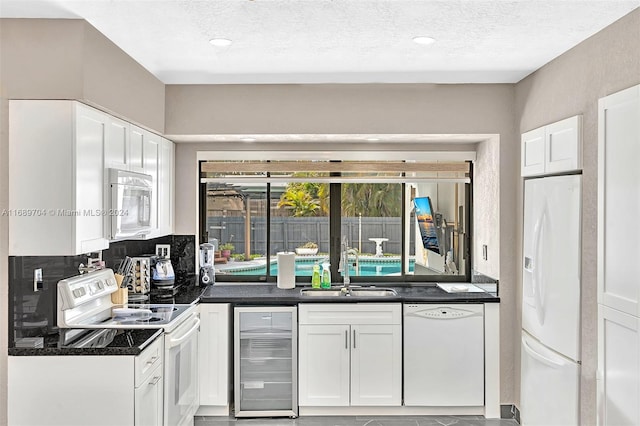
84, 302
265, 361
130, 204
443, 355
207, 271
163, 274
551, 301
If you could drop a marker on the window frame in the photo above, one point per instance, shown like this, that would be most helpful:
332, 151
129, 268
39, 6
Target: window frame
335, 224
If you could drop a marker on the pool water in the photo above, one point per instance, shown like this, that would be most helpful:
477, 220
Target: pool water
368, 268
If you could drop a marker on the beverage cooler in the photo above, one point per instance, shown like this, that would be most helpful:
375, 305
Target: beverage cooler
265, 361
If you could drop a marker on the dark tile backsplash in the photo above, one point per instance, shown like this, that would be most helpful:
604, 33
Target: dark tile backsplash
34, 313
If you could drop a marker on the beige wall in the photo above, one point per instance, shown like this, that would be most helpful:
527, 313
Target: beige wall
365, 108
63, 59
572, 84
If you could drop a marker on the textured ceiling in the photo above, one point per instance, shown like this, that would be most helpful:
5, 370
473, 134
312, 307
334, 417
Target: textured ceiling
338, 41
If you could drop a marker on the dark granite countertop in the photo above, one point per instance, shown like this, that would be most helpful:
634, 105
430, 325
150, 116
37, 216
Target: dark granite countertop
270, 294
119, 346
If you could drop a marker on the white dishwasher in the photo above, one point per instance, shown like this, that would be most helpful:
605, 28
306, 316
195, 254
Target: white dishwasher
443, 355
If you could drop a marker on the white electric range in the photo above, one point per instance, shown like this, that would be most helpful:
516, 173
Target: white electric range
84, 302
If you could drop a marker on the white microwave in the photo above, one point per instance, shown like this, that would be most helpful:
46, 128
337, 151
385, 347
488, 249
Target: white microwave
130, 210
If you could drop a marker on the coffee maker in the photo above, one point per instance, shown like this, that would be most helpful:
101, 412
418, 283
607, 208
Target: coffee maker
207, 271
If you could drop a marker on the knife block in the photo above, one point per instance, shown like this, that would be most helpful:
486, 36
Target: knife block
121, 295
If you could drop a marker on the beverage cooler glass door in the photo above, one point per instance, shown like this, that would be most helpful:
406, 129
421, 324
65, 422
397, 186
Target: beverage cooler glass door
265, 355
181, 399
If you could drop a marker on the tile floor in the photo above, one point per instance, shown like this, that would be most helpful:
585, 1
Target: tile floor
357, 421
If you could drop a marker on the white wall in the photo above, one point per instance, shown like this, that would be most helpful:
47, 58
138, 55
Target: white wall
569, 85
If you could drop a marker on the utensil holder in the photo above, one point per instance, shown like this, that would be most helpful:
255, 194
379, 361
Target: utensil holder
121, 295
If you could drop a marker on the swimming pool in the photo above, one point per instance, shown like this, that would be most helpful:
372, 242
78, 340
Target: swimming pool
369, 267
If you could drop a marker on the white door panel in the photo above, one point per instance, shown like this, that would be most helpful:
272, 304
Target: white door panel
549, 387
551, 273
618, 367
619, 200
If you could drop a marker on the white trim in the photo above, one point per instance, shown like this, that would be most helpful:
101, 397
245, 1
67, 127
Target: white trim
492, 360
213, 410
391, 411
342, 179
337, 155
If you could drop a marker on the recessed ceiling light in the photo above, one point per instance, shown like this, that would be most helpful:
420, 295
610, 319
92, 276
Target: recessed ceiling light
424, 40
220, 42
248, 139
373, 139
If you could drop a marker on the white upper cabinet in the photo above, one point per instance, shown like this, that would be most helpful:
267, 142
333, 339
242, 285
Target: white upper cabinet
618, 201
116, 150
554, 148
150, 164
166, 187
56, 189
136, 141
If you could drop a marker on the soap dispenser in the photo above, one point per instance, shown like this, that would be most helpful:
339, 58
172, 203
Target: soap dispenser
326, 276
315, 278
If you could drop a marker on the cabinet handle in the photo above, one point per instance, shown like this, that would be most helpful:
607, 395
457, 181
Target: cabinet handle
354, 339
155, 380
346, 339
152, 360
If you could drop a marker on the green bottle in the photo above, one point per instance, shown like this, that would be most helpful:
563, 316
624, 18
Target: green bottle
315, 278
326, 276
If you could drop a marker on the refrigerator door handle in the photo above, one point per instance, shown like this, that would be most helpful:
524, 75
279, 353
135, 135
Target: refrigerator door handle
537, 276
541, 358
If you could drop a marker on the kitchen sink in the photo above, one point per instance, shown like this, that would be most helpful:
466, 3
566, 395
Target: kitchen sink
373, 292
354, 292
319, 292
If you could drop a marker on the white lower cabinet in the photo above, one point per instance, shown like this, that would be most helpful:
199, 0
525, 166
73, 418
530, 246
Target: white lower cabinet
148, 400
101, 390
213, 359
350, 355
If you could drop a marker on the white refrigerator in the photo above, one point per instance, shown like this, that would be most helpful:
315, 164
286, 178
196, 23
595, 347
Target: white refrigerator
550, 356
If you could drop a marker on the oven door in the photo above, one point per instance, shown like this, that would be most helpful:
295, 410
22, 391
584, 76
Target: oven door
181, 373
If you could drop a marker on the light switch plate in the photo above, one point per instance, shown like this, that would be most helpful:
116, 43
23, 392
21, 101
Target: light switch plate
37, 279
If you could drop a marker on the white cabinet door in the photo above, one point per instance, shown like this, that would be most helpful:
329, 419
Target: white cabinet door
91, 128
136, 140
324, 365
166, 187
554, 148
563, 145
148, 400
532, 152
618, 368
56, 165
116, 150
150, 164
213, 354
618, 200
376, 365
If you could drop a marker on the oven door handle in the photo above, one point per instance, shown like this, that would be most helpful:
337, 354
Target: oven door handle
177, 340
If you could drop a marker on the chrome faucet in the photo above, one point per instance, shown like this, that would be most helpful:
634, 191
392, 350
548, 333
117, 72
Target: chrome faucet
345, 251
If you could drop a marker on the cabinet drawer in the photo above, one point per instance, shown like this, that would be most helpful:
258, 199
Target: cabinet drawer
350, 313
148, 360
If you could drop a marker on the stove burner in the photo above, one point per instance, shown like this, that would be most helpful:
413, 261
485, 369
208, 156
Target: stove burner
152, 319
